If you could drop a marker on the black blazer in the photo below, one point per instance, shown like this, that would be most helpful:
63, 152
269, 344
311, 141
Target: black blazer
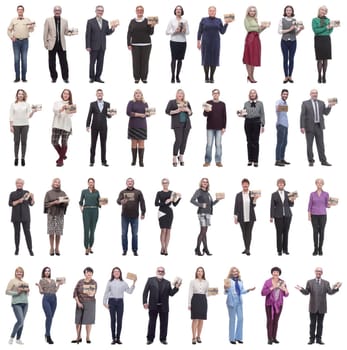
158, 296
96, 118
20, 212
238, 209
96, 37
276, 206
175, 118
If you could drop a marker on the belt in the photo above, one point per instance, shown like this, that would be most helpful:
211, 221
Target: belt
21, 39
90, 206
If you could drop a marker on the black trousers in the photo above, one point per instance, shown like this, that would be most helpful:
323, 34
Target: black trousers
140, 61
317, 134
116, 308
94, 138
181, 137
62, 61
252, 130
316, 323
282, 229
246, 228
164, 319
26, 229
318, 224
96, 57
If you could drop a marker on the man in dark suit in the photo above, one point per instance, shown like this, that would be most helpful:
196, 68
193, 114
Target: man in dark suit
244, 213
97, 117
280, 212
97, 29
312, 125
20, 200
318, 289
159, 290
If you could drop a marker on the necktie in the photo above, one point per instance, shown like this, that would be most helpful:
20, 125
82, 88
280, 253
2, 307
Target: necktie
99, 22
316, 112
58, 29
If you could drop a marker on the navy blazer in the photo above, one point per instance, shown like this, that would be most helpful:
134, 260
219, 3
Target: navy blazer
238, 209
307, 115
96, 37
276, 206
152, 288
96, 118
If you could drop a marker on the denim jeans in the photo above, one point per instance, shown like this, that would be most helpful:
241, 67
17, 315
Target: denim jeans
282, 136
116, 308
235, 312
217, 136
20, 311
134, 224
20, 50
49, 304
288, 51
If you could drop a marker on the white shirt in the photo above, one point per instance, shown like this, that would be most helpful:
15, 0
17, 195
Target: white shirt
177, 36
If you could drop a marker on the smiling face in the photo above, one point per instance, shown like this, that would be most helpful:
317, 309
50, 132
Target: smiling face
200, 273
253, 95
178, 11
99, 11
116, 274
179, 95
322, 11
165, 183
130, 183
252, 12
204, 184
91, 184
245, 186
57, 11
319, 184
139, 11
99, 94
47, 273
19, 184
138, 95
318, 272
66, 95
20, 11
19, 273
56, 184
20, 95
280, 185
235, 273
160, 272
314, 94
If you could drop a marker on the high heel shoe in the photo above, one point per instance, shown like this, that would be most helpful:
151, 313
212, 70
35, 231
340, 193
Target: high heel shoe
251, 80
76, 341
206, 251
197, 252
49, 340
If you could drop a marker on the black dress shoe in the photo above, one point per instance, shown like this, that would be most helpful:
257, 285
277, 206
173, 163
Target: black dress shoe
136, 81
16, 162
279, 163
124, 253
239, 341
135, 253
291, 80
285, 162
54, 80
113, 342
326, 164
310, 164
275, 341
244, 252
149, 342
23, 162
16, 80
248, 253
279, 253
88, 341
232, 342
99, 81
104, 164
31, 253
287, 253
144, 81
319, 341
91, 164
91, 80
207, 80
66, 81
118, 341
164, 342
16, 252
76, 341
269, 342
172, 80
310, 342
255, 164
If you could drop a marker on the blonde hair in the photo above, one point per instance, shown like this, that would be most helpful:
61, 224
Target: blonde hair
230, 275
19, 269
319, 179
184, 95
256, 12
135, 92
323, 7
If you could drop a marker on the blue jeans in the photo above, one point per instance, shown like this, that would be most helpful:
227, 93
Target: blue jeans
288, 50
20, 311
282, 137
116, 308
235, 312
49, 304
217, 136
20, 50
134, 224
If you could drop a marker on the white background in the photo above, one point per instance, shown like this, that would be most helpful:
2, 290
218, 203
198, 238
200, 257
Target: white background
225, 241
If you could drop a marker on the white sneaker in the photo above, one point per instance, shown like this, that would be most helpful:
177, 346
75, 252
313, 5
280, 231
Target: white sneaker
18, 341
10, 341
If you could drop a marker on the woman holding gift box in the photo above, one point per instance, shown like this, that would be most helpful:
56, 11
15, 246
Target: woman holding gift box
209, 32
89, 205
19, 290
55, 204
204, 201
233, 287
113, 301
317, 214
137, 127
322, 29
252, 50
48, 287
62, 126
274, 290
180, 112
20, 113
197, 303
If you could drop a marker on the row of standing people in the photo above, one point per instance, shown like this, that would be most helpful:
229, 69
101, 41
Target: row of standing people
134, 207
312, 124
156, 300
139, 42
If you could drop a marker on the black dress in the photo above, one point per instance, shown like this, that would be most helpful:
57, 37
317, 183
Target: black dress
165, 214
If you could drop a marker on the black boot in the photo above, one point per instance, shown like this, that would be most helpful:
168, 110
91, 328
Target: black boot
134, 153
141, 153
179, 66
173, 68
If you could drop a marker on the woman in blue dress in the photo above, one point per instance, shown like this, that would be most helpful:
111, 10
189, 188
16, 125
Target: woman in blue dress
209, 42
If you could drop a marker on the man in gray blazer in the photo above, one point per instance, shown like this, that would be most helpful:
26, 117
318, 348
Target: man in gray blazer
318, 289
312, 125
54, 32
97, 29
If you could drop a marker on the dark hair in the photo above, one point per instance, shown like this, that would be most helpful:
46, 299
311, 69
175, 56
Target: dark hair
176, 9
245, 180
88, 269
43, 272
70, 95
284, 11
120, 274
203, 272
99, 90
276, 269
284, 90
92, 179
20, 6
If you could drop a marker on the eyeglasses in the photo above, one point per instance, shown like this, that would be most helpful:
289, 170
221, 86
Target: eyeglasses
320, 271
160, 271
165, 183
